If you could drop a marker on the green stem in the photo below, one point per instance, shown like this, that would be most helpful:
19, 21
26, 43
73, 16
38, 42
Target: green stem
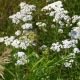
37, 63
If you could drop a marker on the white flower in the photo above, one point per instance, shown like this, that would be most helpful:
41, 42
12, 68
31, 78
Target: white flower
69, 43
78, 24
23, 45
38, 23
75, 18
71, 60
9, 40
75, 33
5, 37
52, 13
1, 39
76, 50
22, 59
56, 47
67, 64
58, 13
27, 18
27, 26
66, 44
19, 62
22, 4
60, 30
72, 55
19, 15
18, 32
21, 54
55, 5
43, 47
41, 25
24, 14
32, 7
15, 43
14, 19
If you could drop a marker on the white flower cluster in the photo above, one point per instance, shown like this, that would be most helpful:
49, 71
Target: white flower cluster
70, 60
43, 47
23, 44
60, 16
27, 26
1, 39
60, 30
56, 47
75, 18
75, 33
69, 43
15, 43
76, 50
20, 40
24, 14
18, 32
55, 5
40, 24
68, 64
58, 13
66, 44
7, 40
20, 44
22, 59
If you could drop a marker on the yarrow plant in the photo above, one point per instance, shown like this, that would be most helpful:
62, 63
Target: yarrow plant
21, 58
43, 45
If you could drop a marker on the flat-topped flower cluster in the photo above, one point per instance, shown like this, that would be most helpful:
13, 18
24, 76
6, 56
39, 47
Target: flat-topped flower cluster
20, 38
25, 15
